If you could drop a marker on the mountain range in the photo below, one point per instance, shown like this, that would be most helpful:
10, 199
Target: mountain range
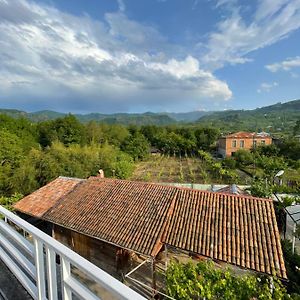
273, 117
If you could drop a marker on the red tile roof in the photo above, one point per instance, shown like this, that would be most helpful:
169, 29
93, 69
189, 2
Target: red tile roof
139, 216
240, 230
244, 134
37, 203
126, 213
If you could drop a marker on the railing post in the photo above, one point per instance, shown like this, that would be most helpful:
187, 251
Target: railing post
65, 273
40, 269
51, 272
33, 276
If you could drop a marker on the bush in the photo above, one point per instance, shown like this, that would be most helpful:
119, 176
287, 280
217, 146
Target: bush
229, 163
260, 188
243, 157
292, 264
8, 202
205, 281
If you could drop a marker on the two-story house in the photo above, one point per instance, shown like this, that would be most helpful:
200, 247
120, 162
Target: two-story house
229, 144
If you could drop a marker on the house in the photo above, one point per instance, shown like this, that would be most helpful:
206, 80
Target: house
229, 144
111, 220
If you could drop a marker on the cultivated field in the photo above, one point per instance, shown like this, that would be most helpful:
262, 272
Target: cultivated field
172, 169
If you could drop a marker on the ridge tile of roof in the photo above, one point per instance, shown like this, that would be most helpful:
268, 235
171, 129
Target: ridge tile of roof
39, 202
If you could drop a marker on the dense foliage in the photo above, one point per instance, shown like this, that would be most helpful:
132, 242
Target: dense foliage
32, 154
8, 202
292, 264
205, 281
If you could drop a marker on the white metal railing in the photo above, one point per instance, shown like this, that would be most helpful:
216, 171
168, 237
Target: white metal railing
34, 264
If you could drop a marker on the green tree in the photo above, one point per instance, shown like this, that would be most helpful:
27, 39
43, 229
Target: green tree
260, 188
67, 130
137, 146
11, 153
229, 163
243, 157
292, 264
271, 165
290, 148
205, 137
267, 150
296, 128
11, 149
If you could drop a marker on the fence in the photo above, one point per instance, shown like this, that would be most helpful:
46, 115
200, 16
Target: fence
33, 262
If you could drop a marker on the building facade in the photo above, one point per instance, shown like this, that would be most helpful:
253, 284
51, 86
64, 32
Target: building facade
231, 143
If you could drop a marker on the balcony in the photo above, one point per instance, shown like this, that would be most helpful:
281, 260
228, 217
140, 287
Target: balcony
46, 269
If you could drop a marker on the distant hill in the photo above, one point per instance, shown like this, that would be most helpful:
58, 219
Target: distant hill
131, 119
274, 118
277, 117
119, 118
188, 116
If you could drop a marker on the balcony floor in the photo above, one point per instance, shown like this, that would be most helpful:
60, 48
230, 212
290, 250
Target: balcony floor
10, 287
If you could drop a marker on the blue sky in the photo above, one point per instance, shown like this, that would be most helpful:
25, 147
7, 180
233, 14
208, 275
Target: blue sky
148, 55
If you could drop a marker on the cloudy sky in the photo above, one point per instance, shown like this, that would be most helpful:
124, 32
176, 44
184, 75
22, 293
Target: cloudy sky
148, 55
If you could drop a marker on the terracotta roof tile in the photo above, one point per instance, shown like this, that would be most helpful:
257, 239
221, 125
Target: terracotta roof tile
37, 203
129, 214
139, 216
240, 230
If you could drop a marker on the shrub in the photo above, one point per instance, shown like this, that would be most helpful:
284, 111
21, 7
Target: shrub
205, 281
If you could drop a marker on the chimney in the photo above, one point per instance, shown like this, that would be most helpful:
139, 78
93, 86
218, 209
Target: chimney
100, 173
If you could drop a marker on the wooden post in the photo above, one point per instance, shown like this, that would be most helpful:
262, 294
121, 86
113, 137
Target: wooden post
153, 277
166, 257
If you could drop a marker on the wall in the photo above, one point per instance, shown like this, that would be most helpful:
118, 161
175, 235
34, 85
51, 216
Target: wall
248, 144
102, 254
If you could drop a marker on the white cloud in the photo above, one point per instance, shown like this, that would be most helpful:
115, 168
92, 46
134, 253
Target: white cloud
47, 53
236, 36
266, 87
286, 65
122, 6
225, 3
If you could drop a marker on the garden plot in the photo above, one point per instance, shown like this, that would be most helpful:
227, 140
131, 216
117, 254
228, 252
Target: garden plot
171, 169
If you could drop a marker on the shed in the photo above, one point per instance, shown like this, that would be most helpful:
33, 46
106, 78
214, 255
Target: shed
145, 218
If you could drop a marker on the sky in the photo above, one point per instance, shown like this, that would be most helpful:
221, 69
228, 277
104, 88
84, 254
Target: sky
148, 55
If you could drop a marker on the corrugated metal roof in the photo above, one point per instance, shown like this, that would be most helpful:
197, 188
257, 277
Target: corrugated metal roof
139, 216
37, 203
232, 189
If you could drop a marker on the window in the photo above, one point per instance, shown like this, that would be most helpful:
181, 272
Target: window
234, 144
263, 142
242, 143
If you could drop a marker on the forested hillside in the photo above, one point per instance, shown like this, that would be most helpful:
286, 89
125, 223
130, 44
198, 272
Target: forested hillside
118, 118
280, 117
33, 153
